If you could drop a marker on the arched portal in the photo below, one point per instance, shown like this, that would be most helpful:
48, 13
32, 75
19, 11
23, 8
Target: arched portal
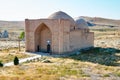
43, 37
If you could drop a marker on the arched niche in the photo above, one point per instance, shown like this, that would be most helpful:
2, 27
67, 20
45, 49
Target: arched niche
42, 36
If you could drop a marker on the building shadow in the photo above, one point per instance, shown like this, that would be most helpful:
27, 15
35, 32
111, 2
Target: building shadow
103, 56
98, 55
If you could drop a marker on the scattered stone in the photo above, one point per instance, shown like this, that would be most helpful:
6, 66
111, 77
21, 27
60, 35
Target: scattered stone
46, 61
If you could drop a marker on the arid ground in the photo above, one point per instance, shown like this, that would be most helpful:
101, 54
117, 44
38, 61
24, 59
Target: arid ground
99, 63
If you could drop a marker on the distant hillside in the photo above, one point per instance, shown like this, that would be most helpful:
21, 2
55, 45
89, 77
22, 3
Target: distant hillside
90, 20
12, 24
102, 21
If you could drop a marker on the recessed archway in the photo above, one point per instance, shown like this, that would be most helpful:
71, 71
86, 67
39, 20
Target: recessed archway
42, 36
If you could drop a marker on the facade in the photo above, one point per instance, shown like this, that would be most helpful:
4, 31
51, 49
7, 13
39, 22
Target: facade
60, 31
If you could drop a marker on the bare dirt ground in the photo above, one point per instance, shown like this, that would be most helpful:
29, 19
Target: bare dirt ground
12, 40
107, 39
101, 63
10, 44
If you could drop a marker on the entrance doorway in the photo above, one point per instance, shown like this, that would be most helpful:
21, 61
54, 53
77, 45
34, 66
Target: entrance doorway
42, 36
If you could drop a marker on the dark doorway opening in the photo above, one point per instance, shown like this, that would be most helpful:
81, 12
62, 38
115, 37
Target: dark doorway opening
43, 39
48, 48
38, 48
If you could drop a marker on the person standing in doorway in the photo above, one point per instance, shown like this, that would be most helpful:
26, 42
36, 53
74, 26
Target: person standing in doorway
48, 47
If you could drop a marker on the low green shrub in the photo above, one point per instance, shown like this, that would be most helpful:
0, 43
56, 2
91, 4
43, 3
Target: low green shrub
1, 64
16, 60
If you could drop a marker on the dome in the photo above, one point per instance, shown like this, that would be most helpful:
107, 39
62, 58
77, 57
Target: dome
61, 15
81, 23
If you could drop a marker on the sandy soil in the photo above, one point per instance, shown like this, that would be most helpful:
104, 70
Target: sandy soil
10, 44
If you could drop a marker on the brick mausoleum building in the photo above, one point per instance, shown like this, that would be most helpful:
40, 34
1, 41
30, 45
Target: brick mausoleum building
60, 31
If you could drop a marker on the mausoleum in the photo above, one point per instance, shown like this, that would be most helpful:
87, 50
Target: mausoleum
59, 33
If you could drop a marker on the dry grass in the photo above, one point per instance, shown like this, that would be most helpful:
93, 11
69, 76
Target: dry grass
60, 68
101, 62
7, 55
42, 71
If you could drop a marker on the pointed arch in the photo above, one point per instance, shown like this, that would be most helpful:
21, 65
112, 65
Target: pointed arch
42, 35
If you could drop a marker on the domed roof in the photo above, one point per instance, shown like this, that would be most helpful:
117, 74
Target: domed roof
61, 15
81, 23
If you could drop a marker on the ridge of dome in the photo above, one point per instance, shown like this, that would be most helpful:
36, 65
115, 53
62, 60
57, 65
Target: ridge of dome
61, 15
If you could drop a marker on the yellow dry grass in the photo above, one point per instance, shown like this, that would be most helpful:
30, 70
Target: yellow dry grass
77, 67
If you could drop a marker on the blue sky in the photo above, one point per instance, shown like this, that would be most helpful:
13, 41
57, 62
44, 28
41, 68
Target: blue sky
35, 9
